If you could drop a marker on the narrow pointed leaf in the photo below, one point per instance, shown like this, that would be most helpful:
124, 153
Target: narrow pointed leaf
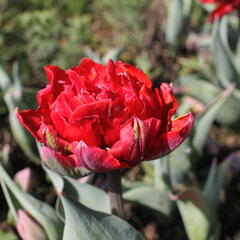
179, 11
224, 60
215, 180
206, 92
198, 215
5, 81
203, 125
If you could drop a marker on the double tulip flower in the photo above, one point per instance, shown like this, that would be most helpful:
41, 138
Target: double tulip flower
102, 118
223, 7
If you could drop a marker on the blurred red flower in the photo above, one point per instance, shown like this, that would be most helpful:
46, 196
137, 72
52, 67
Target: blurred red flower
104, 118
223, 7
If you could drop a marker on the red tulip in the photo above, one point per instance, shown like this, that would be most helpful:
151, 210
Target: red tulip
103, 118
224, 7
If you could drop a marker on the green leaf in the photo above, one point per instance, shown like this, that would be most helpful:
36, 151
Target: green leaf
202, 127
198, 215
224, 60
84, 193
22, 136
206, 92
82, 223
113, 54
12, 202
179, 11
180, 164
42, 212
151, 197
5, 81
215, 180
7, 236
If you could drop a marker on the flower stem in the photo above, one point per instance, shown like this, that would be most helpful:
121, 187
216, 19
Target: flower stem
115, 192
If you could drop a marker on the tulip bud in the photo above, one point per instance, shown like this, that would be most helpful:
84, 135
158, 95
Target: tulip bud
24, 178
28, 228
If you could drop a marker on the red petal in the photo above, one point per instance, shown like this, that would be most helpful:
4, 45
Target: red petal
181, 128
151, 108
66, 103
136, 141
167, 103
31, 120
139, 74
86, 131
210, 1
95, 158
88, 74
111, 132
97, 108
44, 98
57, 78
221, 10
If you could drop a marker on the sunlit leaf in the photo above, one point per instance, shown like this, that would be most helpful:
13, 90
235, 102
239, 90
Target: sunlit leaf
198, 215
86, 224
84, 193
203, 125
224, 59
151, 197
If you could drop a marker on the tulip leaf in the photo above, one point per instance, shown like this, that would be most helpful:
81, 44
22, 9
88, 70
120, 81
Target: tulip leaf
179, 11
15, 96
202, 127
113, 54
42, 212
12, 202
198, 215
180, 164
151, 197
86, 224
224, 60
206, 92
22, 136
7, 236
215, 180
84, 193
5, 81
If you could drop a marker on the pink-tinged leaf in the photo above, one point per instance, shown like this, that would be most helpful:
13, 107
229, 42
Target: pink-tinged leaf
28, 228
25, 179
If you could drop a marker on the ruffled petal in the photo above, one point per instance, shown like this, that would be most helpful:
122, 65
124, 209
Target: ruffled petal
58, 79
66, 103
87, 131
86, 111
137, 73
31, 120
136, 140
95, 158
44, 99
167, 105
166, 143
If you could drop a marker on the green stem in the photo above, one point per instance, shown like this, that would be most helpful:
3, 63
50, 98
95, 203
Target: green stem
115, 192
